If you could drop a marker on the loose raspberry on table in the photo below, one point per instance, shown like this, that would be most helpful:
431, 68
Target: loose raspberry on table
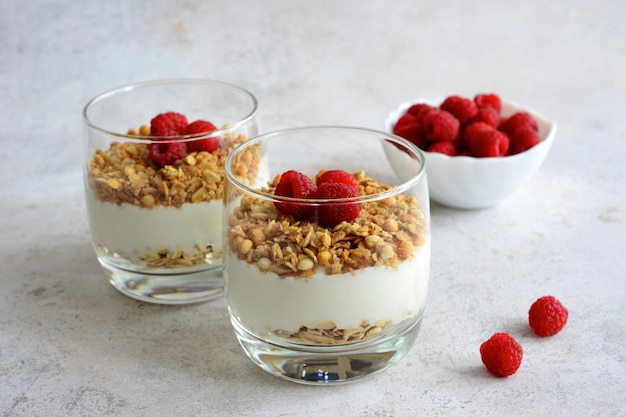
547, 316
460, 107
501, 354
166, 153
443, 147
165, 124
439, 125
488, 143
522, 139
338, 176
296, 185
330, 214
488, 100
199, 127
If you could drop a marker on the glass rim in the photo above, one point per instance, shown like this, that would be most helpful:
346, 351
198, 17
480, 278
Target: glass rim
417, 153
168, 81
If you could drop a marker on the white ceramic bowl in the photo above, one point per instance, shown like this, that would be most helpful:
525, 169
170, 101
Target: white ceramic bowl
474, 183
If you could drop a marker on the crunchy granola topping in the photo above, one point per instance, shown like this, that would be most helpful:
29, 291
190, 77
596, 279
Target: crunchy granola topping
386, 232
124, 174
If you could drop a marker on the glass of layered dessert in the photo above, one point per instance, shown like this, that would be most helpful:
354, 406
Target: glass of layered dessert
326, 251
154, 183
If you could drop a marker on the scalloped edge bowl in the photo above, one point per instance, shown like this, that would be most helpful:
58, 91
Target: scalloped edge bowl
476, 183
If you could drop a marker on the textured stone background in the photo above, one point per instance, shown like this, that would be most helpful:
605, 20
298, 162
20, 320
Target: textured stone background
70, 345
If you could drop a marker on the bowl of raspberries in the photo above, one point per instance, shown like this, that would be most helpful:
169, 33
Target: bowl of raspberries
479, 150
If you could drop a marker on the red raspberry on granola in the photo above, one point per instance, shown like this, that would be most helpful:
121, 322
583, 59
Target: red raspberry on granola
330, 213
166, 153
168, 124
337, 176
297, 185
200, 127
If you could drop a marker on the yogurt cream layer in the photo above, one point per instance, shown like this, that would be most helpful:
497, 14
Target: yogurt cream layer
265, 302
133, 231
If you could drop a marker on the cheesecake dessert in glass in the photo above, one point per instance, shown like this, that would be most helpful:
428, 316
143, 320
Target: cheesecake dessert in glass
154, 183
326, 251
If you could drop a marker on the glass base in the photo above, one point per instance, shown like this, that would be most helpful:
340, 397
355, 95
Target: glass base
187, 288
328, 365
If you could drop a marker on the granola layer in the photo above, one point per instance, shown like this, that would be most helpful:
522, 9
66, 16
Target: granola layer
386, 232
124, 174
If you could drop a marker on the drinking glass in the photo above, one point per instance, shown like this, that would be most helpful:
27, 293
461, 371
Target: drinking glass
154, 188
326, 288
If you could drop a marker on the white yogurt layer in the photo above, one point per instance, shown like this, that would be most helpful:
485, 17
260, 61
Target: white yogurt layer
264, 302
133, 231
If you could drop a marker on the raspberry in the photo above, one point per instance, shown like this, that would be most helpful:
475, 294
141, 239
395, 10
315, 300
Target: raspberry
331, 214
488, 100
547, 316
419, 110
522, 139
504, 143
461, 121
297, 185
501, 354
165, 124
489, 143
472, 130
458, 145
166, 153
163, 133
516, 121
439, 125
413, 133
206, 144
487, 115
446, 148
406, 119
338, 176
460, 107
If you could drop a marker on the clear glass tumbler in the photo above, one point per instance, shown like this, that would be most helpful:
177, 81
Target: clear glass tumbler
326, 283
154, 186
